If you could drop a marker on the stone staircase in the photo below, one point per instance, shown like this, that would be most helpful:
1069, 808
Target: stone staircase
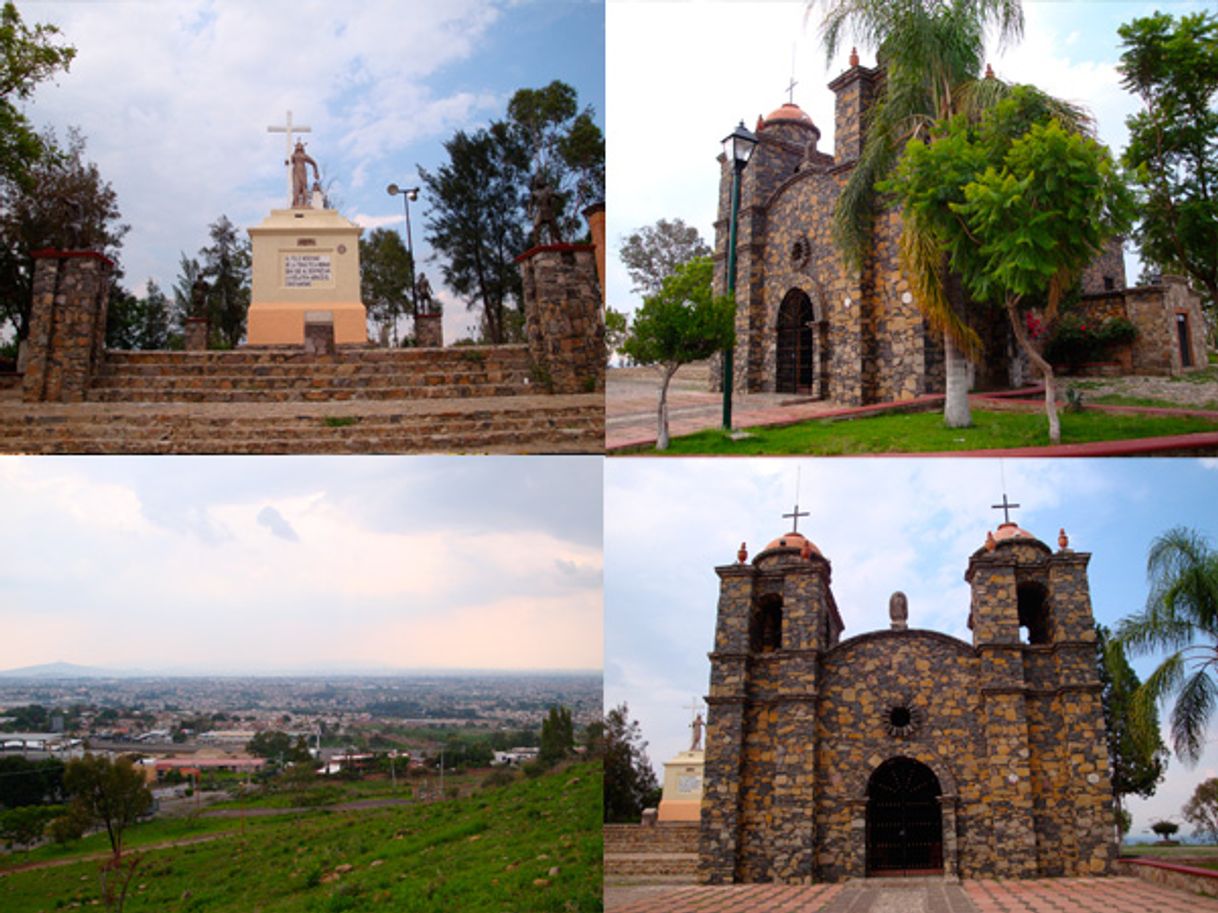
514, 424
661, 851
276, 375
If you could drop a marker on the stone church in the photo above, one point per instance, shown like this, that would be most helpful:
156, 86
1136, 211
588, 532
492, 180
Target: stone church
808, 325
905, 751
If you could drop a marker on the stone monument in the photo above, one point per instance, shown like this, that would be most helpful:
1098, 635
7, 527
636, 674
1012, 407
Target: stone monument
305, 266
682, 796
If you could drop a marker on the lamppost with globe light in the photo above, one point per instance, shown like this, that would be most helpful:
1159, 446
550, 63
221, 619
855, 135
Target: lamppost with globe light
409, 194
738, 147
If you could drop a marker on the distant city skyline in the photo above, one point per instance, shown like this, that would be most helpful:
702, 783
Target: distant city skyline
271, 565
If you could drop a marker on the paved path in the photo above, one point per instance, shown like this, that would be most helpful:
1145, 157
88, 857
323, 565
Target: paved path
1054, 895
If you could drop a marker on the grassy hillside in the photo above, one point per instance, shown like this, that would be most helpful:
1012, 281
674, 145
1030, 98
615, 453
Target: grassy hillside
532, 846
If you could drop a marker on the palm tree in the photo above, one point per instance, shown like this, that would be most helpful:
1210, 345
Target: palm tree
1181, 615
932, 53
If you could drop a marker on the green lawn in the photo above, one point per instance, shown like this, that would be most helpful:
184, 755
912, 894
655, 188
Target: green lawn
491, 852
925, 431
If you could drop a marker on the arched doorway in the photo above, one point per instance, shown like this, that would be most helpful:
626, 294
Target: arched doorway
904, 819
795, 361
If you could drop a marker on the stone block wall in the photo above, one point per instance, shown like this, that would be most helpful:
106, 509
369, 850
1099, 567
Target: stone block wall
66, 340
429, 331
1155, 310
563, 319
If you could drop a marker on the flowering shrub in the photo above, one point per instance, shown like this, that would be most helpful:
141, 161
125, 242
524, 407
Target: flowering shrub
1075, 339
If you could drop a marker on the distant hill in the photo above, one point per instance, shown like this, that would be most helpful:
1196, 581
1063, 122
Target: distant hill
59, 670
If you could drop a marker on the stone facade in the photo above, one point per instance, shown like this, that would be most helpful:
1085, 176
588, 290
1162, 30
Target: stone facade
564, 325
1007, 733
67, 324
1170, 323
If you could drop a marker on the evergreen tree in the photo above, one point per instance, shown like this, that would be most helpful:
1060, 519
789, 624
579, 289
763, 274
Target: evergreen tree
226, 265
557, 737
385, 271
630, 782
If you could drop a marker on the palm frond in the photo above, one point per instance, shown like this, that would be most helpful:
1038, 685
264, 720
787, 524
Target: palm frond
922, 261
1191, 714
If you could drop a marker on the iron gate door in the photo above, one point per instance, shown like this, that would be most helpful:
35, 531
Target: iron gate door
904, 819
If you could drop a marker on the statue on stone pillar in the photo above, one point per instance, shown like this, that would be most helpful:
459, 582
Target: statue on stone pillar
423, 299
697, 725
198, 297
300, 161
543, 204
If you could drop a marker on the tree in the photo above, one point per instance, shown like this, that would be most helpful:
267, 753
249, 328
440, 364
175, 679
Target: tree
1138, 757
630, 783
557, 737
1181, 615
1020, 204
384, 277
25, 782
1201, 810
278, 746
562, 143
932, 53
475, 222
189, 269
65, 204
154, 318
652, 253
1165, 829
226, 265
1172, 66
28, 56
681, 323
110, 793
22, 826
615, 332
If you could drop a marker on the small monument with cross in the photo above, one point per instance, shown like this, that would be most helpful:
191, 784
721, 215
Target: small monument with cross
682, 796
306, 288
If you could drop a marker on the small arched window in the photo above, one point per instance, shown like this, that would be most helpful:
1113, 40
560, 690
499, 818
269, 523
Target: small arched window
1035, 622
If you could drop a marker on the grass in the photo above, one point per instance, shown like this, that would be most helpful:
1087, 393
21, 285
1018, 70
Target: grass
1120, 399
339, 421
1202, 857
489, 853
925, 431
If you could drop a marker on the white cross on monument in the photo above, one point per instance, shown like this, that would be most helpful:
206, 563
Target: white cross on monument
288, 129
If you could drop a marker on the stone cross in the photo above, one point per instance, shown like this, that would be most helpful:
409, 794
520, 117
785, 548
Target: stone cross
288, 129
1005, 507
795, 515
791, 91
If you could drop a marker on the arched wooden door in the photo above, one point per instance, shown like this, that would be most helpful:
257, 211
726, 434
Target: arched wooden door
904, 820
795, 359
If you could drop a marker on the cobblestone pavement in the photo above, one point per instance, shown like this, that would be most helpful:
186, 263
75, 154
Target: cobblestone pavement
1056, 895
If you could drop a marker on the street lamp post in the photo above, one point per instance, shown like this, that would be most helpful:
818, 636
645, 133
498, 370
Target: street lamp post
737, 146
409, 194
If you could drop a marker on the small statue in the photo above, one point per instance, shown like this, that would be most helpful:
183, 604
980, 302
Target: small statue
697, 726
198, 297
426, 305
300, 161
898, 611
542, 202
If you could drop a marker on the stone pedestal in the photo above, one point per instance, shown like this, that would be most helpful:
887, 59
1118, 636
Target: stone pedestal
67, 324
682, 797
305, 260
563, 319
319, 333
429, 331
197, 329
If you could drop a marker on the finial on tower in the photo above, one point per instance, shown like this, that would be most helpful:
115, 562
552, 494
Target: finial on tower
989, 71
854, 57
742, 555
1063, 541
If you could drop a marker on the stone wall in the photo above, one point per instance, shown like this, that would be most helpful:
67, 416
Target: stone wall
563, 318
67, 324
429, 331
1155, 311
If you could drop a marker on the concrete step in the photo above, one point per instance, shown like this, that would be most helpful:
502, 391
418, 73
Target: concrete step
670, 864
249, 393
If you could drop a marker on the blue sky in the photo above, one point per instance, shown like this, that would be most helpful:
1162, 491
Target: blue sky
886, 525
266, 564
175, 97
734, 61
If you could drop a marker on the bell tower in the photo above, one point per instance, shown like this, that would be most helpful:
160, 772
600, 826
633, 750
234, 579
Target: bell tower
776, 617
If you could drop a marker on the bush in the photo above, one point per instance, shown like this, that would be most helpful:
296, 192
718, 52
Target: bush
22, 826
500, 776
1075, 340
67, 827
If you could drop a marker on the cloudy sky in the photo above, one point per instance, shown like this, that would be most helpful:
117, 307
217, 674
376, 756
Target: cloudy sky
174, 98
268, 564
734, 61
885, 525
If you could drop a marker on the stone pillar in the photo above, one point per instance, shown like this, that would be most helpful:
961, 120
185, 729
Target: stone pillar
197, 329
563, 320
429, 331
595, 214
718, 840
67, 324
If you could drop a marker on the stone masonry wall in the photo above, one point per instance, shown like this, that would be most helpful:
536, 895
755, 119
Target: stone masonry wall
429, 331
563, 320
67, 324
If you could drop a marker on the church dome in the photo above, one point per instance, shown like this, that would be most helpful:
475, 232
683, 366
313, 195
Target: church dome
1011, 531
789, 113
793, 540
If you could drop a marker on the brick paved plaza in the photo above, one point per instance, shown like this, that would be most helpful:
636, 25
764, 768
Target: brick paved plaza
1056, 895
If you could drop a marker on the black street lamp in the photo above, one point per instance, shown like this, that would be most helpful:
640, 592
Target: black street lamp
409, 195
738, 147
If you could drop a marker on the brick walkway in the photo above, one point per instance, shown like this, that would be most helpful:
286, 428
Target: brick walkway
1055, 895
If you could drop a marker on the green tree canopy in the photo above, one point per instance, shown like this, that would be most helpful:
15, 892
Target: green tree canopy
652, 253
683, 322
110, 793
1180, 616
227, 266
1172, 66
1201, 810
1138, 756
384, 277
557, 736
630, 782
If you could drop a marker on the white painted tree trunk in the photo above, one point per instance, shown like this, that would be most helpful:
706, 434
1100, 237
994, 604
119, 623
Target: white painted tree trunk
1043, 366
956, 413
662, 431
